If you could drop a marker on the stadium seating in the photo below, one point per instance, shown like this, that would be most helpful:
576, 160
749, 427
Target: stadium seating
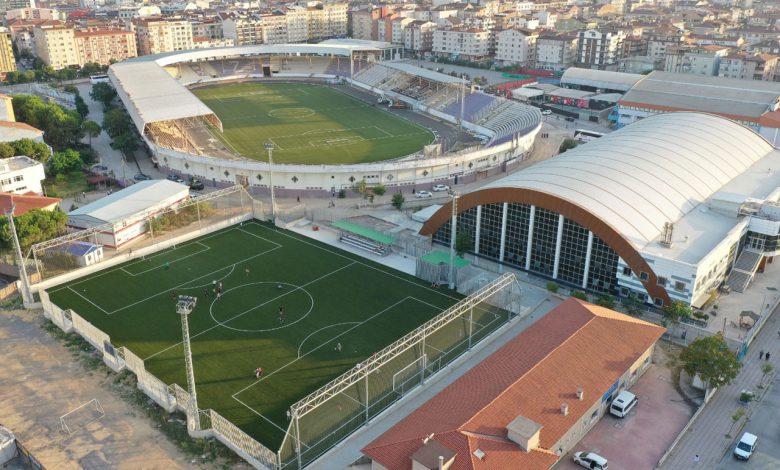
364, 244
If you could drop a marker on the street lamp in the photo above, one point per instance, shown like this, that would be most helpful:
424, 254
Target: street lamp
270, 147
184, 306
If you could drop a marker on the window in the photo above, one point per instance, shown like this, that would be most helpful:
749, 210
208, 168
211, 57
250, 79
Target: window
658, 302
661, 281
627, 271
18, 178
643, 276
679, 286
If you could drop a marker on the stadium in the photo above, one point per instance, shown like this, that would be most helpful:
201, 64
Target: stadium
331, 113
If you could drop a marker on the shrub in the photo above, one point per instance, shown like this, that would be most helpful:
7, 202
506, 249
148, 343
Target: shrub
379, 189
578, 294
552, 287
398, 200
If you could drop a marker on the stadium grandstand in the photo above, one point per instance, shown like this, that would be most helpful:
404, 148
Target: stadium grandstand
669, 208
185, 135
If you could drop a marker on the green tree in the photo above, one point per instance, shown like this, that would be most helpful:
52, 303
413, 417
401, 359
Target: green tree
766, 369
578, 294
33, 227
463, 243
91, 129
677, 311
81, 106
126, 143
379, 189
115, 122
398, 201
103, 92
361, 187
553, 287
632, 304
6, 150
711, 359
606, 300
64, 162
568, 143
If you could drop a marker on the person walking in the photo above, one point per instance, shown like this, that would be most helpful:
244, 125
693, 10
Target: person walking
258, 372
696, 459
766, 356
761, 355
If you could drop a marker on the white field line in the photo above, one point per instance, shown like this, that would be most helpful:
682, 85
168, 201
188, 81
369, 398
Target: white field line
93, 303
206, 248
323, 328
260, 415
254, 308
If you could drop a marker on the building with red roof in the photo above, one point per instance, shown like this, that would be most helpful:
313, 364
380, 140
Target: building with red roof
531, 401
23, 203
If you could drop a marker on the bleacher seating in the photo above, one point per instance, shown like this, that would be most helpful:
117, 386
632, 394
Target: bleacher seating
365, 244
475, 102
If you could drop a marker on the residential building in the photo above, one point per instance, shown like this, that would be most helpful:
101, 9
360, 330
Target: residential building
34, 14
199, 42
696, 60
556, 51
7, 113
21, 175
7, 60
24, 203
748, 67
55, 44
105, 46
363, 23
507, 413
209, 28
418, 36
158, 35
245, 31
659, 40
516, 46
6, 5
469, 44
599, 50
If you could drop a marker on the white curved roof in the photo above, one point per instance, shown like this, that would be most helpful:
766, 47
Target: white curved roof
651, 172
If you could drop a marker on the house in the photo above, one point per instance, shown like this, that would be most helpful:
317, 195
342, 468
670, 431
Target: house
83, 253
530, 402
12, 131
23, 203
21, 175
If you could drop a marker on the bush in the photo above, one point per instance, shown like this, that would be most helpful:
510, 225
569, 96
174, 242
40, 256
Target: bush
398, 200
379, 189
578, 294
606, 301
552, 287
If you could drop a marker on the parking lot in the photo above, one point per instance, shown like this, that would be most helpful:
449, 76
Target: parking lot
638, 441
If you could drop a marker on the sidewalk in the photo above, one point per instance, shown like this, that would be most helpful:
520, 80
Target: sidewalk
707, 435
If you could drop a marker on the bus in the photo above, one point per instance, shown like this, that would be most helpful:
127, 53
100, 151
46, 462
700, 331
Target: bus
583, 135
93, 79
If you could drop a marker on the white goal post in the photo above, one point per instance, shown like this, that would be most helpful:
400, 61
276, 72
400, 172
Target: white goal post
81, 416
402, 376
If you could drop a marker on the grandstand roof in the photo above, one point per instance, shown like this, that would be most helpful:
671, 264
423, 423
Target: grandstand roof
151, 94
600, 78
738, 99
655, 171
424, 73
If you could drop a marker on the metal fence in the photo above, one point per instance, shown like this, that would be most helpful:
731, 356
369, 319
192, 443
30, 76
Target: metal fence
339, 408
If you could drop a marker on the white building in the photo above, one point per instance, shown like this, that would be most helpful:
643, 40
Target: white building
20, 175
516, 46
600, 50
470, 44
125, 212
555, 51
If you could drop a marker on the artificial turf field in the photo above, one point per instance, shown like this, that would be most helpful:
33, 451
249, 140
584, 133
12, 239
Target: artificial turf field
309, 124
329, 296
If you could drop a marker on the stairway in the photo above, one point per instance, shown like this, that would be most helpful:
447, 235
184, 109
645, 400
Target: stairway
744, 269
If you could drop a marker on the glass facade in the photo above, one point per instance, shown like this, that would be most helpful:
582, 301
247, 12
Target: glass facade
602, 272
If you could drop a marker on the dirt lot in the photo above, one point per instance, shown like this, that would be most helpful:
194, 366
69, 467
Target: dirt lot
40, 380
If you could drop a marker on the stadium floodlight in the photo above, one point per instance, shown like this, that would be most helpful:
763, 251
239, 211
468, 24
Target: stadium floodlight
453, 235
184, 306
25, 287
270, 147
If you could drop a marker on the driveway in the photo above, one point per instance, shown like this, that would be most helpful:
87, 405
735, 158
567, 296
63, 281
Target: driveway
638, 441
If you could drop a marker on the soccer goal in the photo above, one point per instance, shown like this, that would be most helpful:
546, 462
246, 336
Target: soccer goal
81, 416
409, 376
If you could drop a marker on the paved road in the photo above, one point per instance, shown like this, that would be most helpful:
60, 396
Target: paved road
708, 435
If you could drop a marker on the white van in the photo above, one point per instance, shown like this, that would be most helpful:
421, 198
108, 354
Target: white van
745, 446
622, 404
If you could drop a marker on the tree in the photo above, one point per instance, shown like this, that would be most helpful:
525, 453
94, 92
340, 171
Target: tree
61, 127
115, 122
361, 187
6, 150
578, 294
81, 106
126, 143
379, 189
64, 162
33, 227
568, 143
606, 301
766, 369
553, 287
103, 92
92, 129
632, 304
677, 311
735, 419
398, 200
33, 149
711, 359
463, 243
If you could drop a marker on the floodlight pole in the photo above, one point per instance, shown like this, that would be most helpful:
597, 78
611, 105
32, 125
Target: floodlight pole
26, 295
270, 148
462, 100
453, 233
184, 307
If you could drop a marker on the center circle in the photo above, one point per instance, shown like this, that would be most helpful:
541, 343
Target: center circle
244, 307
290, 112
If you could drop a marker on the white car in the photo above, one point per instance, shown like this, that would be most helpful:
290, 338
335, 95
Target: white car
423, 194
746, 446
590, 460
546, 112
440, 187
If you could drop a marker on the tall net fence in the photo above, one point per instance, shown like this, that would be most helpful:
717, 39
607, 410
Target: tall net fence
326, 417
146, 232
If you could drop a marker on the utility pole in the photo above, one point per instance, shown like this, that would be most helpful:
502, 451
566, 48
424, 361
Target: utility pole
270, 147
453, 234
184, 306
26, 294
463, 99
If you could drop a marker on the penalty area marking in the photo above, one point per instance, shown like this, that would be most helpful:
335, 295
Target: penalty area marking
205, 248
323, 328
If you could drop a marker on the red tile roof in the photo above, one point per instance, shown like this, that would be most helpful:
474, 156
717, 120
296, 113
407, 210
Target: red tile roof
577, 345
26, 202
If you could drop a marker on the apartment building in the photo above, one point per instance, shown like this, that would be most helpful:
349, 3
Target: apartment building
556, 51
600, 50
210, 28
418, 36
34, 14
516, 46
7, 61
469, 44
245, 31
697, 60
297, 24
363, 23
200, 42
659, 40
6, 5
105, 46
748, 67
55, 44
158, 35
327, 20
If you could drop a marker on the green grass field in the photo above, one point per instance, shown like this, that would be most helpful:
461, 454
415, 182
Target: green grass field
309, 124
329, 297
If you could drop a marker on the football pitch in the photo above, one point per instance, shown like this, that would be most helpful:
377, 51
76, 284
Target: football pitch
329, 297
309, 124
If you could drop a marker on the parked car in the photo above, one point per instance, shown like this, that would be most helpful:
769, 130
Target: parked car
100, 169
142, 177
423, 194
440, 187
590, 460
546, 112
174, 178
197, 185
746, 446
622, 404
